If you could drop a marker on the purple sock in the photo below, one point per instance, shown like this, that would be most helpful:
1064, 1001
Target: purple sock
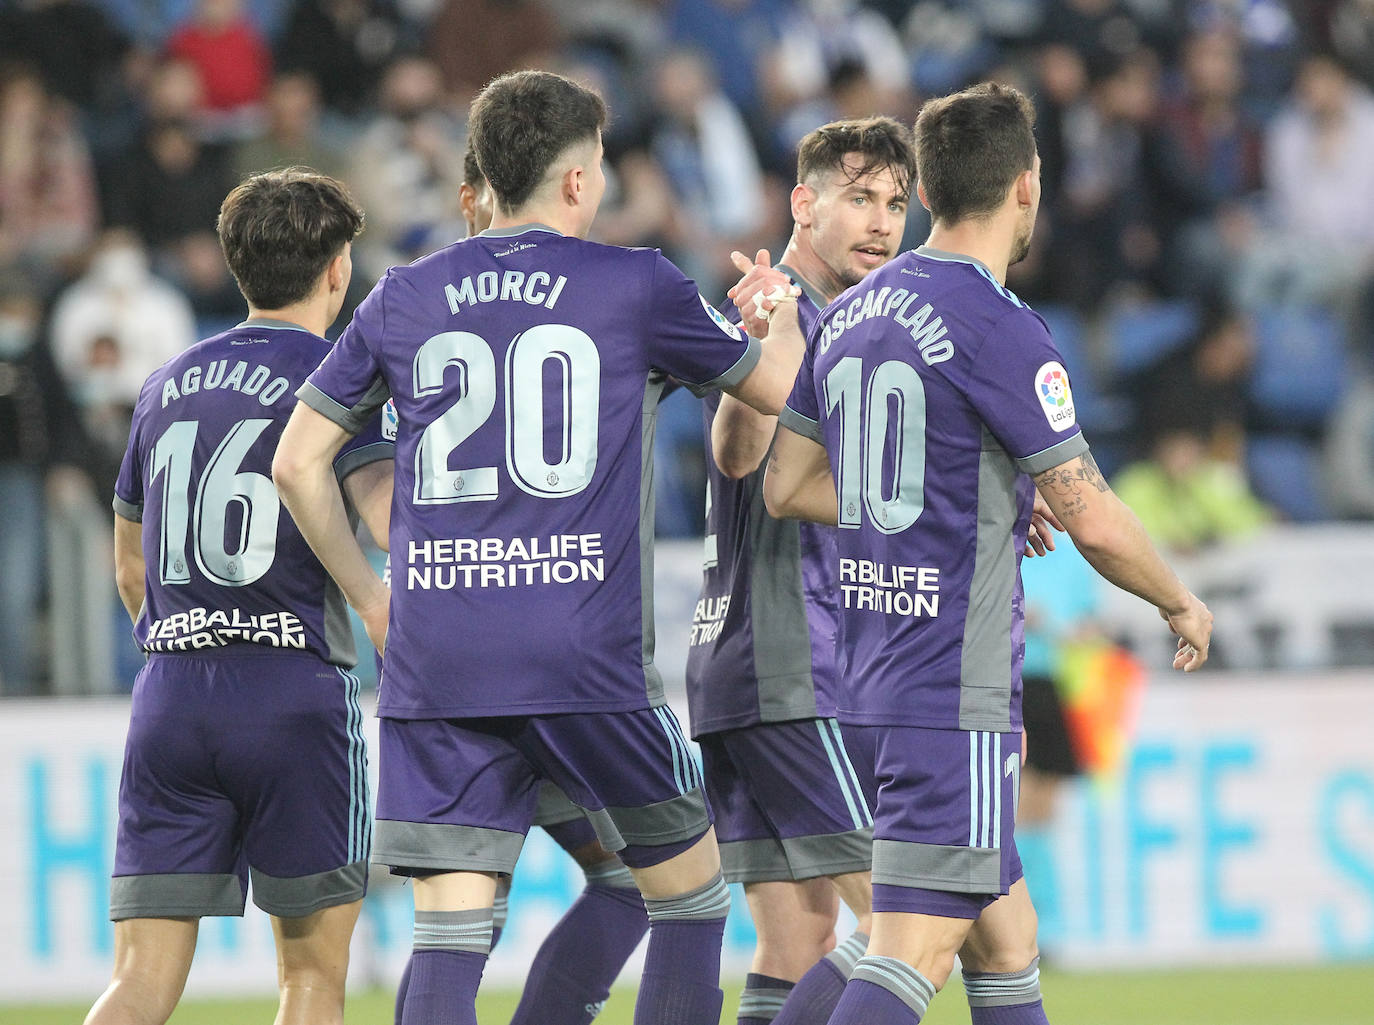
443, 987
815, 996
1010, 998
681, 980
572, 972
883, 989
762, 999
401, 988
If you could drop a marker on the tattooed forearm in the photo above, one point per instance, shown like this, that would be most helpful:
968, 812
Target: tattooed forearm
1088, 471
1066, 480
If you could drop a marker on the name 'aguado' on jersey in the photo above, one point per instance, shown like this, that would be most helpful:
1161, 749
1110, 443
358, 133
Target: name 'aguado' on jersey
525, 367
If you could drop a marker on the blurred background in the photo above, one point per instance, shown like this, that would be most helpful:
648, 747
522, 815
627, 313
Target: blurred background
1204, 257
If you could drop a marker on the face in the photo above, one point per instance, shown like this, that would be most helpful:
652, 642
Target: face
478, 205
854, 227
1021, 243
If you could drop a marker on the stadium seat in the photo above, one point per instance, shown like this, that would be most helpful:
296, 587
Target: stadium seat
1285, 471
1096, 409
1138, 335
1300, 365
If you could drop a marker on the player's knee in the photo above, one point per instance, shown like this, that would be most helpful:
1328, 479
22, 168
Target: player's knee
136, 996
709, 901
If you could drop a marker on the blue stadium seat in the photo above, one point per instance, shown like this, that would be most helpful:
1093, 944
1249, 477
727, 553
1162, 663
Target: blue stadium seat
1300, 365
1138, 335
1285, 471
1095, 408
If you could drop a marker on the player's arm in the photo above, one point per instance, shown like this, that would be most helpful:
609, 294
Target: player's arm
368, 490
766, 300
1113, 541
303, 470
739, 437
798, 484
129, 566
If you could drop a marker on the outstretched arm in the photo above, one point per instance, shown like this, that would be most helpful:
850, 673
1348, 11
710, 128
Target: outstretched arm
303, 470
798, 483
1113, 541
767, 301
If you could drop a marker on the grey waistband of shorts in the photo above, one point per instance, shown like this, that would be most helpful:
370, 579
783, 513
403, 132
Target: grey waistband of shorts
440, 846
948, 868
175, 895
298, 896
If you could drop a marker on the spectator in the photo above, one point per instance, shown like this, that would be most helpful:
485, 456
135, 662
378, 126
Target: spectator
344, 45
71, 42
40, 448
233, 60
48, 208
407, 168
293, 131
473, 41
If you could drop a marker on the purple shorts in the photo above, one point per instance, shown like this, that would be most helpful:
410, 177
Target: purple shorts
460, 794
788, 802
244, 762
944, 819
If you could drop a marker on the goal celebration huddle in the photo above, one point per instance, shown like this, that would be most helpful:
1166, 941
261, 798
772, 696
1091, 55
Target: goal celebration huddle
887, 436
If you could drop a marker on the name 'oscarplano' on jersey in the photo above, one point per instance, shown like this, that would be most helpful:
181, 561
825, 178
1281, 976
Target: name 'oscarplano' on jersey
537, 288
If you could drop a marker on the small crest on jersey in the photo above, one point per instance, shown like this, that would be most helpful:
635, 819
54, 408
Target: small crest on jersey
390, 421
719, 318
1056, 398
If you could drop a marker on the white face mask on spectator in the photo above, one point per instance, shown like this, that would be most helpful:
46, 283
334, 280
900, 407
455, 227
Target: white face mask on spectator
121, 267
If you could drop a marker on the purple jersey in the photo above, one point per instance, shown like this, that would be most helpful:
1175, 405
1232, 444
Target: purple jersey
525, 367
226, 563
935, 391
762, 647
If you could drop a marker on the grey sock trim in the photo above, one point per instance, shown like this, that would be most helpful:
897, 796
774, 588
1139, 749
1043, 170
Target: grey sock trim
610, 873
1008, 989
705, 902
847, 954
898, 978
757, 1002
454, 930
500, 908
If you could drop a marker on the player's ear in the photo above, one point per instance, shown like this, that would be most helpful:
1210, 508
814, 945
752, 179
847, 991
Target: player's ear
803, 201
337, 274
921, 195
1025, 188
467, 202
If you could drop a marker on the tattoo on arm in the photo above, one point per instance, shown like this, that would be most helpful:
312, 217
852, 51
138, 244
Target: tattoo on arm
1067, 481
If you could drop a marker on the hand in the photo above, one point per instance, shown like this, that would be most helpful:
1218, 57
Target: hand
1040, 537
1193, 624
761, 291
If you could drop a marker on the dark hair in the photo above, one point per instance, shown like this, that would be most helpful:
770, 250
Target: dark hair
970, 147
881, 141
522, 122
280, 229
472, 173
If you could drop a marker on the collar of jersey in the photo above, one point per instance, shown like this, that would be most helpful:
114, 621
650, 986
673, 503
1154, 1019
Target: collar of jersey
518, 229
806, 287
940, 254
280, 325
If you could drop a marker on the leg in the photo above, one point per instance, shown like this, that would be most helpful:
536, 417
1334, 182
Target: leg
816, 995
312, 964
795, 923
572, 972
152, 960
452, 940
1001, 963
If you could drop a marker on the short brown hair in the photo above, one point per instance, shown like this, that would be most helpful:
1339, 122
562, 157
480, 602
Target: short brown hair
280, 229
522, 122
472, 173
970, 147
882, 142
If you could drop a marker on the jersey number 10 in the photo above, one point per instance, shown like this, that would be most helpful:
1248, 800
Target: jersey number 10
884, 430
579, 364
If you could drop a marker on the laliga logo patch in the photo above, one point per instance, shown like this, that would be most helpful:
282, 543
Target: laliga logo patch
1056, 399
719, 319
390, 421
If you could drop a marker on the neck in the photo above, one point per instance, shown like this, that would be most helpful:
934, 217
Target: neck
558, 216
989, 242
311, 315
803, 259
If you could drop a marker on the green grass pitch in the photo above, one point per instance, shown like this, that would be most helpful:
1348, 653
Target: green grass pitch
1327, 995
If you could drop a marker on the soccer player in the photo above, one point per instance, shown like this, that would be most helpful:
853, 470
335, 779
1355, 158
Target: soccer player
929, 408
525, 364
572, 972
791, 816
245, 749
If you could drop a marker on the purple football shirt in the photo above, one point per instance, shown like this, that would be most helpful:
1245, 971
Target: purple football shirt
225, 562
935, 392
525, 367
762, 645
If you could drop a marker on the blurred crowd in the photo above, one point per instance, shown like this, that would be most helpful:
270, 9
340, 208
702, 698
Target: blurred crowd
1204, 254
